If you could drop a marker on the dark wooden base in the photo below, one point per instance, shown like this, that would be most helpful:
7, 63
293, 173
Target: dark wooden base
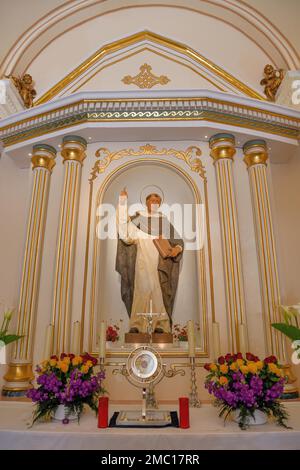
144, 338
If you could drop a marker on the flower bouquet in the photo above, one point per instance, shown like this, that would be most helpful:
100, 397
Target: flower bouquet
245, 385
69, 381
112, 333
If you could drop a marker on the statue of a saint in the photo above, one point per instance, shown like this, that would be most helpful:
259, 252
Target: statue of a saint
147, 273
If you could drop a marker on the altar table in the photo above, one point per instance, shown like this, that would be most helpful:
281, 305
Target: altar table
207, 431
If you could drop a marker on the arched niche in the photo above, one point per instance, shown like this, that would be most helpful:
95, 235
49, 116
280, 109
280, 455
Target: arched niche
194, 298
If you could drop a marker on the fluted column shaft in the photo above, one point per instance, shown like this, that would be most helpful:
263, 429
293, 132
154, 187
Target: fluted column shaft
20, 369
256, 158
222, 151
73, 153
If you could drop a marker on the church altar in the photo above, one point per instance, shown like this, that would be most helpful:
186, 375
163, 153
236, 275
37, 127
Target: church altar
207, 431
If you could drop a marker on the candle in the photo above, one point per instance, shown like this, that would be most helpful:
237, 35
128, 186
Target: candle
150, 309
48, 342
216, 340
243, 338
184, 413
102, 340
103, 412
75, 343
191, 338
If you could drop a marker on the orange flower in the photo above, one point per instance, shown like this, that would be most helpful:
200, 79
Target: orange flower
259, 365
89, 364
233, 366
76, 360
213, 367
224, 368
223, 380
240, 362
63, 366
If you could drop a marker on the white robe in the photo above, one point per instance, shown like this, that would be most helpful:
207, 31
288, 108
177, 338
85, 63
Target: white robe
146, 284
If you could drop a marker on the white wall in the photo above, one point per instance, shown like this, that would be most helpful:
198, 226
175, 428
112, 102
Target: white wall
14, 199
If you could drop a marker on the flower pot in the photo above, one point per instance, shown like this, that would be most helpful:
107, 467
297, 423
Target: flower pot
259, 417
61, 413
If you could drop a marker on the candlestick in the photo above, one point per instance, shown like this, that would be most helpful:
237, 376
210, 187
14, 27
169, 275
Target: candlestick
75, 343
191, 338
243, 338
194, 400
102, 340
48, 342
216, 340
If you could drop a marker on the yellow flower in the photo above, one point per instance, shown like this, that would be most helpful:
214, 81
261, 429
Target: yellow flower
89, 364
45, 364
213, 367
76, 360
244, 369
66, 360
259, 365
233, 366
84, 369
240, 362
223, 380
252, 367
53, 362
224, 368
273, 368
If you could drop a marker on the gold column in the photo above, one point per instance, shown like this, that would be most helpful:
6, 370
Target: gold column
256, 157
222, 151
73, 153
19, 374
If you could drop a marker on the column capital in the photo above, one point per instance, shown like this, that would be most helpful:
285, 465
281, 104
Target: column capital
43, 156
73, 148
255, 153
222, 146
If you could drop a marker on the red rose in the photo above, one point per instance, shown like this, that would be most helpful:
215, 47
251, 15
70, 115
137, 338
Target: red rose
63, 355
54, 357
249, 356
234, 357
206, 366
239, 355
221, 360
228, 357
71, 356
270, 359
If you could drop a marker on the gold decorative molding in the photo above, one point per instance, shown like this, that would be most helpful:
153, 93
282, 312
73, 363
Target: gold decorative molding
156, 39
190, 156
222, 147
255, 153
145, 78
42, 161
73, 148
25, 88
271, 81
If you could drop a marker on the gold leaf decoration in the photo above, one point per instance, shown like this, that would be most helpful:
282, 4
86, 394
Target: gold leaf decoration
191, 156
145, 78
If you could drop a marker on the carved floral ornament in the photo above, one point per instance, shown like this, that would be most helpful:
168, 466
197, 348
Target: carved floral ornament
145, 78
191, 156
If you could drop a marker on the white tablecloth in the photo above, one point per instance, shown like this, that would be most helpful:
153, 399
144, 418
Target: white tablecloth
207, 431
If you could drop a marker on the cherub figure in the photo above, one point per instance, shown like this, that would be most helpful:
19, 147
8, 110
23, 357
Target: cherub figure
271, 81
24, 86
